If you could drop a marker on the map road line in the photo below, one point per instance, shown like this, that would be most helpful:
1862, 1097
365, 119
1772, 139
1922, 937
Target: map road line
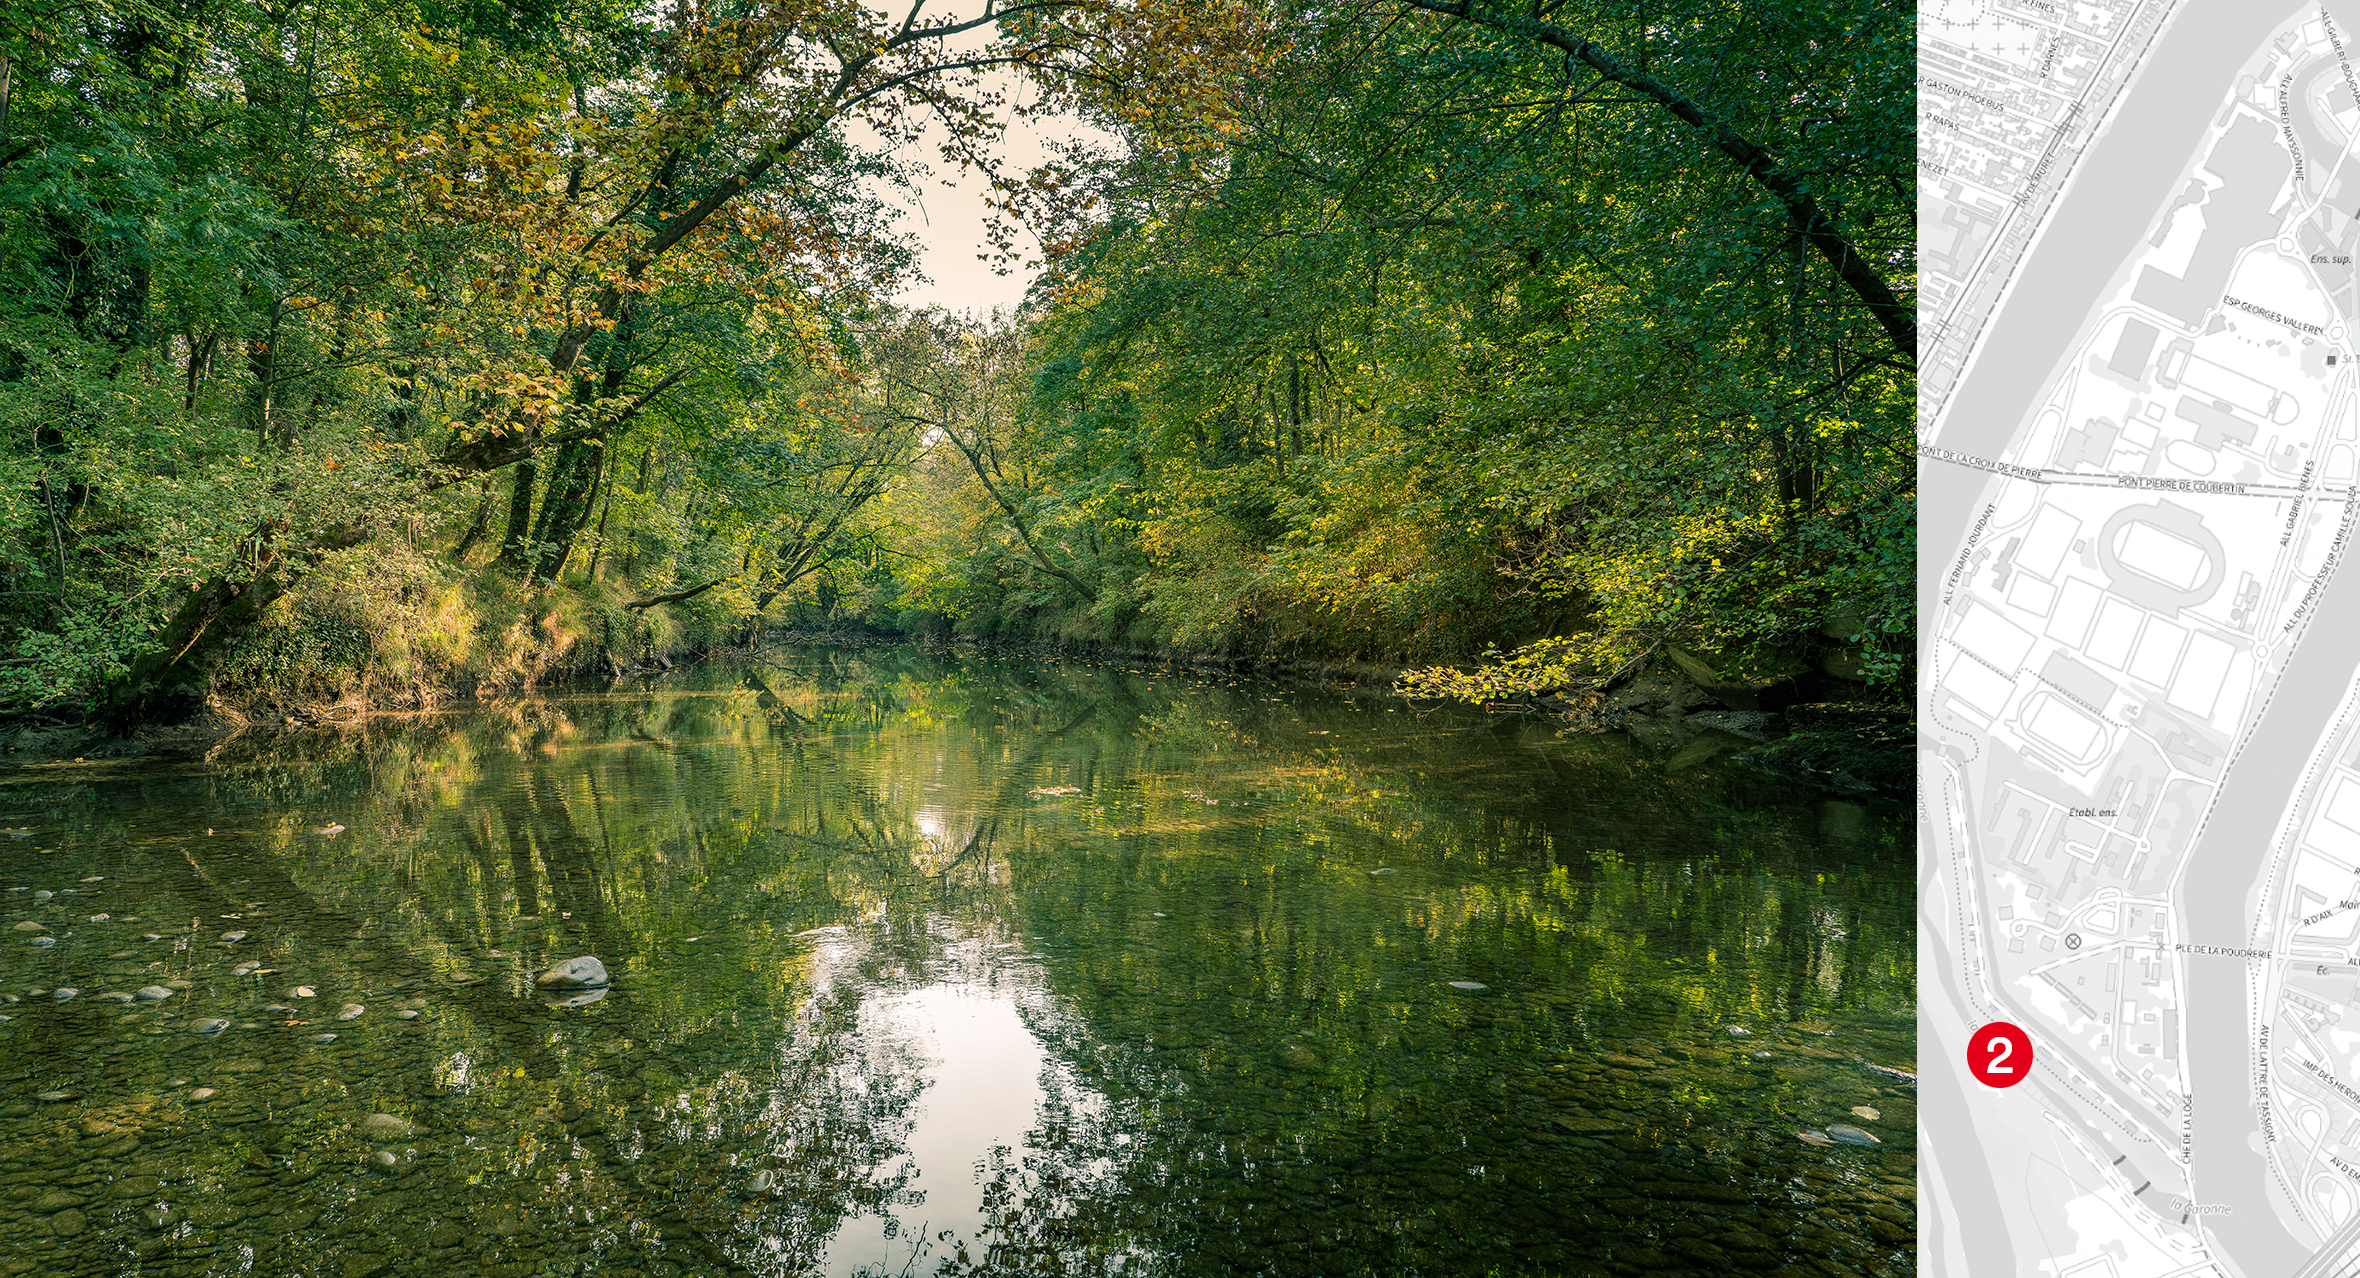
2216, 899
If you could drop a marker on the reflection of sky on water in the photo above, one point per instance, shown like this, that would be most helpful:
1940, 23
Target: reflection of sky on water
982, 1090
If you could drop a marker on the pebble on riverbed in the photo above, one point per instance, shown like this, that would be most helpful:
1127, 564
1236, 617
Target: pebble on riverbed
1469, 985
1866, 1112
154, 993
209, 1027
386, 1127
349, 1011
583, 973
1846, 1134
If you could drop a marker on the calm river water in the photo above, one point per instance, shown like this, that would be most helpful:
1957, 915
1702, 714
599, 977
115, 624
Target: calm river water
950, 963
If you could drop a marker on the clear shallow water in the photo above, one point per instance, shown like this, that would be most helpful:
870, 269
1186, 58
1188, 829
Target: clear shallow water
884, 1005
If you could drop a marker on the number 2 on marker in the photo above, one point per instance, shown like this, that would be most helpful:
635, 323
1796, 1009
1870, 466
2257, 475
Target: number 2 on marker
1998, 1054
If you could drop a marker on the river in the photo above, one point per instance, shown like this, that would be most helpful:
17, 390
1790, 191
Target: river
950, 962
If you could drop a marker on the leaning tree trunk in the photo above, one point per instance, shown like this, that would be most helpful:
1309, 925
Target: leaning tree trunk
169, 679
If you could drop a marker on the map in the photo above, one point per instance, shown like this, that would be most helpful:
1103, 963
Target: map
2140, 724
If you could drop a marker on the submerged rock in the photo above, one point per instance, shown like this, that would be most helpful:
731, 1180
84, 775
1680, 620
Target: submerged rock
1845, 1133
1469, 985
386, 1127
583, 973
209, 1028
154, 993
63, 993
1866, 1112
349, 1011
44, 940
1814, 1138
233, 938
117, 996
1384, 869
1739, 1031
30, 926
579, 998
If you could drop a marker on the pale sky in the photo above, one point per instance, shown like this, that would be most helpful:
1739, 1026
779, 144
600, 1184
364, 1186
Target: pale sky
949, 220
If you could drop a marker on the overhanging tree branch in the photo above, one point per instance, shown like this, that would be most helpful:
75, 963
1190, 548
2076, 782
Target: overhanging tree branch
1896, 317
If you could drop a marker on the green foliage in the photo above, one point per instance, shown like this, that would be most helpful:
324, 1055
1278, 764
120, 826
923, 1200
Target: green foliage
1382, 335
1440, 345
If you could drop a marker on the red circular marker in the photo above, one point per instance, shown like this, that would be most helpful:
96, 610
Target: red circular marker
1999, 1054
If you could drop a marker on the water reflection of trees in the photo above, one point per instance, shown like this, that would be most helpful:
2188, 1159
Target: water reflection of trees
1277, 1057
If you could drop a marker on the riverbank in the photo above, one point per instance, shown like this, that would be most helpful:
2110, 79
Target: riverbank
1843, 746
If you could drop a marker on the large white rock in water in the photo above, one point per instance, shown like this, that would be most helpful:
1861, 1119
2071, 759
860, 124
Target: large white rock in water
584, 973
